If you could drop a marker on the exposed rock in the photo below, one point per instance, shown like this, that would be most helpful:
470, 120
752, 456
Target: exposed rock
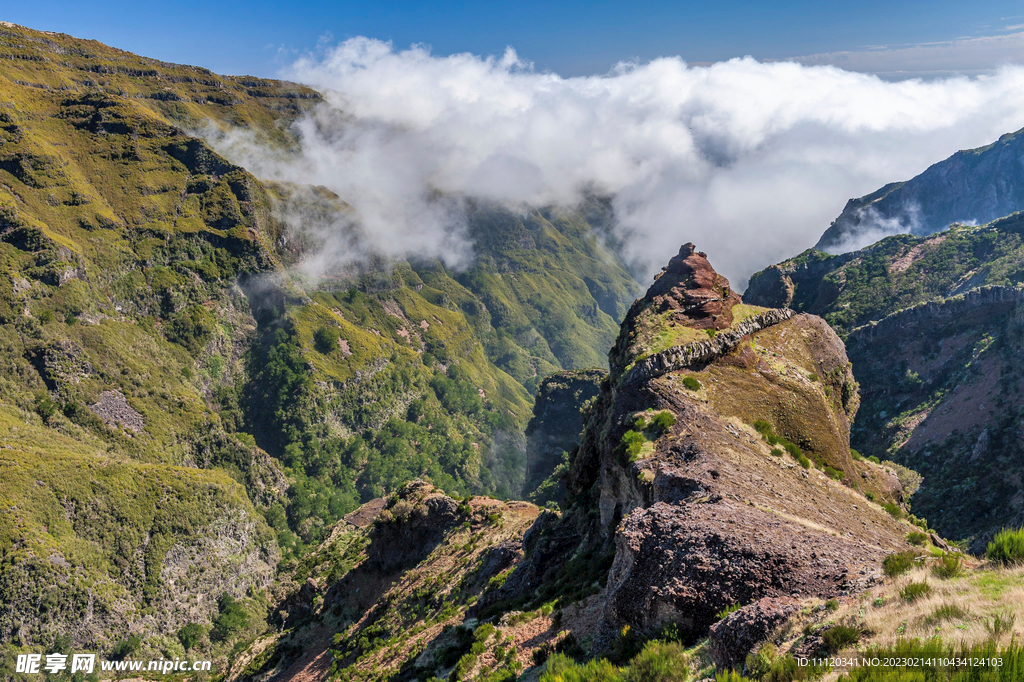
411, 525
64, 362
557, 422
706, 514
689, 285
500, 557
739, 633
113, 409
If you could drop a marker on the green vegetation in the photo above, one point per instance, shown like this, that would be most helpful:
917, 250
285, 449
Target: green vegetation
691, 383
913, 591
899, 563
850, 292
190, 634
1007, 547
732, 608
949, 565
657, 661
917, 538
946, 612
839, 637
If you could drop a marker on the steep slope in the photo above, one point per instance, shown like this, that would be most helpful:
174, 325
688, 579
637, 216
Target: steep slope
853, 289
931, 331
941, 386
972, 186
679, 460
555, 426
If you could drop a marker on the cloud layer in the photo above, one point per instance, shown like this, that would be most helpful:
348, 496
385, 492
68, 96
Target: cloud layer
751, 161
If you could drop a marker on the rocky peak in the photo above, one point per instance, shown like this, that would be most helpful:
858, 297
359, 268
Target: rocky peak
689, 285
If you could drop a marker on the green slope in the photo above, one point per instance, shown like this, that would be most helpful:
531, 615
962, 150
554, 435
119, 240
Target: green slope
170, 389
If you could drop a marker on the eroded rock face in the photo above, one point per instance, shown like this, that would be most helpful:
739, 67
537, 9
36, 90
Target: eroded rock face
739, 633
411, 525
689, 285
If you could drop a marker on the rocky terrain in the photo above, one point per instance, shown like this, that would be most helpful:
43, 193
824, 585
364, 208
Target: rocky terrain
554, 429
725, 486
972, 186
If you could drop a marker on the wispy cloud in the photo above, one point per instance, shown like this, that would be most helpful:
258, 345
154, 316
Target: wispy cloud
968, 54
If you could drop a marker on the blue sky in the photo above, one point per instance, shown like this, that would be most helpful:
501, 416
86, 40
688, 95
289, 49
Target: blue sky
571, 38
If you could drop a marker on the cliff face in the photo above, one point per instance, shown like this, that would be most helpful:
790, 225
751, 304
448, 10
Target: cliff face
556, 423
941, 383
971, 186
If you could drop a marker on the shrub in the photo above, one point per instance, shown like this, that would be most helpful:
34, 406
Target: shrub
190, 635
126, 647
727, 610
914, 591
663, 421
659, 662
944, 613
1007, 547
832, 605
761, 661
233, 618
563, 669
1001, 624
894, 510
191, 328
874, 459
948, 566
834, 474
691, 384
762, 427
326, 339
838, 637
857, 457
777, 452
870, 495
632, 442
917, 538
898, 563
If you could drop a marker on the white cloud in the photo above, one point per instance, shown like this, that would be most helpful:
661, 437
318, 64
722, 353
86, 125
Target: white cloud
751, 161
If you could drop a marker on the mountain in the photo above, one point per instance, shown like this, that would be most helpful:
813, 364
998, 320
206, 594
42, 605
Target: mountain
973, 186
930, 324
184, 416
712, 504
853, 289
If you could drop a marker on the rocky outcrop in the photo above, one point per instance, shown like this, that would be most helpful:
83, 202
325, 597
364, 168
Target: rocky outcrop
410, 526
113, 408
698, 509
695, 355
691, 288
557, 422
739, 633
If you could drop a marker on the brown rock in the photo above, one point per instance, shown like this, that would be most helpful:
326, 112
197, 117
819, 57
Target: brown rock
689, 285
739, 633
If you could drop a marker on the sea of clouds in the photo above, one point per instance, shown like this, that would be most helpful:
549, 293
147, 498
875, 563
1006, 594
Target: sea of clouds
749, 160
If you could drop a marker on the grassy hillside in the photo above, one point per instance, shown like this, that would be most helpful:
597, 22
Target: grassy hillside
172, 391
855, 288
